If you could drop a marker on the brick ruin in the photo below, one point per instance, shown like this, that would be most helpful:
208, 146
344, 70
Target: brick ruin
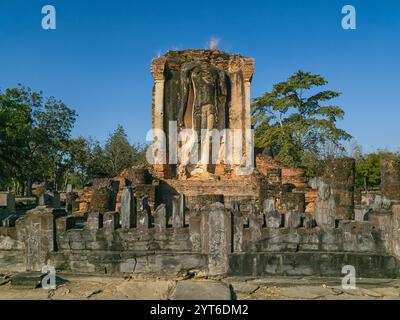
169, 219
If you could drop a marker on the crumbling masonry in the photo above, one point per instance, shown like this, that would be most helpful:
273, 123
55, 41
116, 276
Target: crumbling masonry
211, 221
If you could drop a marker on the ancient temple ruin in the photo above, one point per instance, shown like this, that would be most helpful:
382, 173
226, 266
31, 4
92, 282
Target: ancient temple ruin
211, 219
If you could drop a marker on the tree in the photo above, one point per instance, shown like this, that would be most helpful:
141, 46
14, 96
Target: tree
15, 120
34, 137
368, 171
119, 153
294, 126
88, 159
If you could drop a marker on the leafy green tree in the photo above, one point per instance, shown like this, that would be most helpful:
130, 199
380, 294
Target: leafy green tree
16, 122
88, 159
34, 137
291, 122
118, 152
368, 171
98, 162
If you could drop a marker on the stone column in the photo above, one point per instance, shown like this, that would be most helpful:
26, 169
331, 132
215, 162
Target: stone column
237, 231
159, 104
237, 105
178, 211
390, 177
248, 146
128, 209
143, 219
110, 223
195, 229
339, 175
272, 216
325, 206
160, 218
216, 234
157, 70
94, 221
248, 76
36, 230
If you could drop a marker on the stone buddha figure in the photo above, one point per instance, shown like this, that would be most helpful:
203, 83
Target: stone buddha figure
197, 92
204, 95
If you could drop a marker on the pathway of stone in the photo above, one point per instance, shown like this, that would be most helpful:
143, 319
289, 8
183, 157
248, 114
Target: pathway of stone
163, 288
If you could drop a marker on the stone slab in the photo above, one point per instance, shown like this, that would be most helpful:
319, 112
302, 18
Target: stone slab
201, 290
26, 280
307, 292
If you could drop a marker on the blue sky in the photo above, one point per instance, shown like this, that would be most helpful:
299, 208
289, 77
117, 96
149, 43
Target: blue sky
97, 60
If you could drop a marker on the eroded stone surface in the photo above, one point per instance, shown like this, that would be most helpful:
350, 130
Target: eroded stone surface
201, 290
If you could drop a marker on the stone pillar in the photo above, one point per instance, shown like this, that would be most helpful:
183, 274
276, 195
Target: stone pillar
248, 70
236, 120
110, 223
159, 103
36, 230
256, 221
143, 217
390, 177
238, 222
216, 234
178, 211
94, 221
157, 70
195, 230
160, 218
128, 209
247, 146
339, 174
325, 206
272, 216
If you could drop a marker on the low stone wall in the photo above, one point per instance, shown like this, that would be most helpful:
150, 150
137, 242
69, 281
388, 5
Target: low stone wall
313, 263
211, 240
117, 262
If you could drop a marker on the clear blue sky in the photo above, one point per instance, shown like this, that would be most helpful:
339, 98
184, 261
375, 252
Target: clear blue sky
97, 61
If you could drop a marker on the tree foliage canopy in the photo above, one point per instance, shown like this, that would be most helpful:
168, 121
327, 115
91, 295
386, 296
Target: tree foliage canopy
294, 124
34, 135
36, 145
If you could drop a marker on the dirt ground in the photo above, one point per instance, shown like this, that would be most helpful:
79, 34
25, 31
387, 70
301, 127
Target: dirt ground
162, 288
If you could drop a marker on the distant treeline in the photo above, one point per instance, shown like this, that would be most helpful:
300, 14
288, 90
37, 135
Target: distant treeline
36, 145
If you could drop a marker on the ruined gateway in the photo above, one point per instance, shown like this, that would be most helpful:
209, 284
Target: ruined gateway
209, 220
